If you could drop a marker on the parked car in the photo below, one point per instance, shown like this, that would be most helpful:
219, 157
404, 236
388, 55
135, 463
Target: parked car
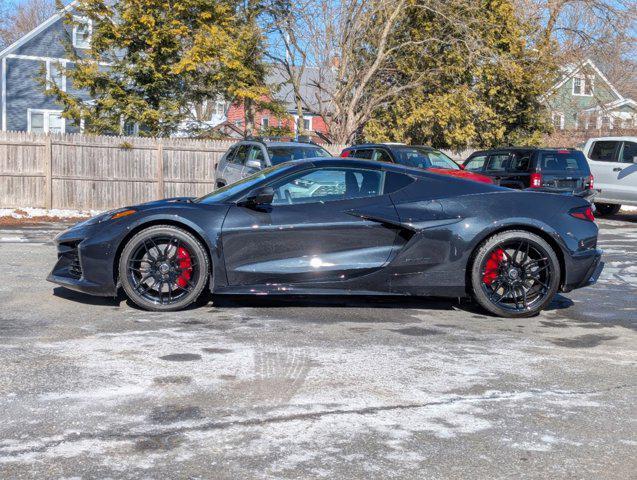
546, 169
613, 161
417, 156
249, 156
379, 229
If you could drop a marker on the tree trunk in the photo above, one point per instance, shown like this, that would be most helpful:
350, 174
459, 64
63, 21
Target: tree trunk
249, 116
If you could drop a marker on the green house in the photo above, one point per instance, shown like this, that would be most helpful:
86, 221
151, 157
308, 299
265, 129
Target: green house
584, 99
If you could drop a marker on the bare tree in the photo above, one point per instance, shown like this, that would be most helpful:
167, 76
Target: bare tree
21, 19
287, 24
357, 46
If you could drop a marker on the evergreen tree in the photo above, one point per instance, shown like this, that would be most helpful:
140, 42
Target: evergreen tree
151, 60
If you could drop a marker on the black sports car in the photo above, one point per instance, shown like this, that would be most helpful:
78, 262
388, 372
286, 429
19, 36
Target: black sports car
337, 226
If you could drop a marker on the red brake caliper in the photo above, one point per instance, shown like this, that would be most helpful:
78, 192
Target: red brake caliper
492, 266
185, 264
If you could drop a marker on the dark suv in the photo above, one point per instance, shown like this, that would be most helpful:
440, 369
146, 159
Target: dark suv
547, 169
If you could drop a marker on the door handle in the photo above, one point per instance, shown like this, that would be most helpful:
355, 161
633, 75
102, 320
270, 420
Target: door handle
617, 169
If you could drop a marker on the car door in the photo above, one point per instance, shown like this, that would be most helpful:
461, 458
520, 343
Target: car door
324, 224
518, 175
234, 168
476, 163
603, 160
627, 176
255, 161
497, 168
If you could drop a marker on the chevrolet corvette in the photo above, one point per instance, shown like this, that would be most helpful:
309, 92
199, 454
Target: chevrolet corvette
339, 227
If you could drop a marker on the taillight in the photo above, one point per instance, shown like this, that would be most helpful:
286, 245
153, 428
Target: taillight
591, 182
536, 180
345, 153
583, 213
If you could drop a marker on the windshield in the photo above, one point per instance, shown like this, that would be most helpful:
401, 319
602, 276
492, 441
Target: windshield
228, 191
288, 153
421, 157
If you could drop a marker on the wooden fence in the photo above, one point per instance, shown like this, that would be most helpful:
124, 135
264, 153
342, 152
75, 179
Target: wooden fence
84, 172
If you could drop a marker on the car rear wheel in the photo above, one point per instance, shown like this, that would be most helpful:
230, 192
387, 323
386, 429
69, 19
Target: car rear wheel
606, 209
163, 268
515, 274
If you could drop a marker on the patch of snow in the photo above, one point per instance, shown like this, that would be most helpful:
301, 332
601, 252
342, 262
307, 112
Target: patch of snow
28, 212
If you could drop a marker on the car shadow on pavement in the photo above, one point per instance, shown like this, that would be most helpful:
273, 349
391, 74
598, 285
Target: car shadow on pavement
86, 299
623, 216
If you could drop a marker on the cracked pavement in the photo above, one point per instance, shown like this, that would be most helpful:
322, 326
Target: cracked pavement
328, 388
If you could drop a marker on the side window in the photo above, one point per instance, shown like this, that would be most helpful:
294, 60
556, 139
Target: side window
630, 152
242, 154
498, 163
257, 154
230, 154
380, 155
476, 164
328, 184
603, 151
365, 153
520, 163
395, 181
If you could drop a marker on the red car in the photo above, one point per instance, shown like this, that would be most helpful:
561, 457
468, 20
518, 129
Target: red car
418, 156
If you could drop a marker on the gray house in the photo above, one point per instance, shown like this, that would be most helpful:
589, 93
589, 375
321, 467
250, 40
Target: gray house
36, 57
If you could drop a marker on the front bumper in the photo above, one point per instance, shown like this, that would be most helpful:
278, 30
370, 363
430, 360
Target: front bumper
85, 262
583, 269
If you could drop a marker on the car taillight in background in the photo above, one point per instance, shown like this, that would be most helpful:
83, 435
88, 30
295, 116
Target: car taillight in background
583, 213
345, 153
591, 182
536, 180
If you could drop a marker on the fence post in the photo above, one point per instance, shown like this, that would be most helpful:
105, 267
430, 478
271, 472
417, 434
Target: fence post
160, 169
48, 173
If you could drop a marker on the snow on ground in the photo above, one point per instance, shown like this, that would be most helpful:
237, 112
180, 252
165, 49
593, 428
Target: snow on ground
27, 212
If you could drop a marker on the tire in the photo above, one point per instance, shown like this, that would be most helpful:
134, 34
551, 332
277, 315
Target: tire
531, 283
606, 209
169, 258
221, 184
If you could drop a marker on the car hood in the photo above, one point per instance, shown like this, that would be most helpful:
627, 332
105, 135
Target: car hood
476, 177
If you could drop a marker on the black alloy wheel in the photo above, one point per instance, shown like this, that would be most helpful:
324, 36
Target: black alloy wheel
163, 268
515, 274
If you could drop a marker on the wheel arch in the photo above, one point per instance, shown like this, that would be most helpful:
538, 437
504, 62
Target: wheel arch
540, 232
154, 222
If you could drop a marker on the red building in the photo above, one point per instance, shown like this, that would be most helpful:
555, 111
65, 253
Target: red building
266, 121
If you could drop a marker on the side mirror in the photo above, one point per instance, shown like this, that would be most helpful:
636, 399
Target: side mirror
461, 166
257, 197
256, 164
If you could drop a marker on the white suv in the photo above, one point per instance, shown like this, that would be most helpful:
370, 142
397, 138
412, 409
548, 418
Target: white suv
613, 163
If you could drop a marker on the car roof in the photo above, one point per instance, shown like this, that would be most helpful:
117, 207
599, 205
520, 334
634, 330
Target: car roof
617, 139
361, 163
522, 149
280, 143
389, 145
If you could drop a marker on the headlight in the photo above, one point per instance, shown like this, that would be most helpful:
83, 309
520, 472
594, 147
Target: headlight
110, 215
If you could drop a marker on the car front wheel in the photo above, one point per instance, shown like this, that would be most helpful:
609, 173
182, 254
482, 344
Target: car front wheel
515, 274
163, 268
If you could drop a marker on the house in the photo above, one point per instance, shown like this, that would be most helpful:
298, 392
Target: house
36, 58
41, 56
584, 99
265, 121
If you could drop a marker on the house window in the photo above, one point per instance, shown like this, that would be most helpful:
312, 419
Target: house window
583, 85
55, 74
220, 108
265, 123
307, 123
45, 121
82, 32
607, 122
558, 120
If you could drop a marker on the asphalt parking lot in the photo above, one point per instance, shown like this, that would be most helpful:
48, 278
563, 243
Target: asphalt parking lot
301, 389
